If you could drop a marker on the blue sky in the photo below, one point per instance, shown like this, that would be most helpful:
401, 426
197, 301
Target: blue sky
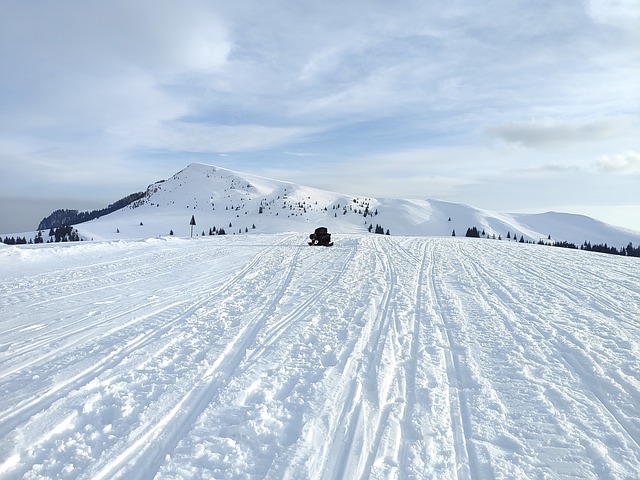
514, 106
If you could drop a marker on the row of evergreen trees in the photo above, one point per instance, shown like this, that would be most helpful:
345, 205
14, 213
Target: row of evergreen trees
629, 250
379, 229
16, 241
60, 234
473, 232
221, 231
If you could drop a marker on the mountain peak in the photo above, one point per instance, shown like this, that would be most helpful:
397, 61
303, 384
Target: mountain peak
244, 203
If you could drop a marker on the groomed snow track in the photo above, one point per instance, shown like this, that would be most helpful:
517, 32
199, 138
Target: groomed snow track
259, 357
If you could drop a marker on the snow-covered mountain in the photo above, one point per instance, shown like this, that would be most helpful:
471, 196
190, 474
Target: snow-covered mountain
241, 203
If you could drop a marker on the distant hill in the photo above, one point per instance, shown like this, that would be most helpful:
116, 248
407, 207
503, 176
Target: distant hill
63, 217
241, 203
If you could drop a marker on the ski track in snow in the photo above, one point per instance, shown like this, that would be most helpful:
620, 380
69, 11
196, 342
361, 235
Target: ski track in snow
260, 357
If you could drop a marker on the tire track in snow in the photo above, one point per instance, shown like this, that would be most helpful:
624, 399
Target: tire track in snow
569, 346
370, 424
466, 457
280, 327
565, 345
529, 337
67, 338
128, 270
64, 335
409, 432
10, 418
357, 376
591, 381
577, 285
397, 373
496, 334
165, 318
147, 450
380, 404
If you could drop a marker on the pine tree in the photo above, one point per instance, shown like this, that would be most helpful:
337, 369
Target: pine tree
472, 232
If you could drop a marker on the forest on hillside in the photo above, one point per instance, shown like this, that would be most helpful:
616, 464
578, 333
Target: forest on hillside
62, 217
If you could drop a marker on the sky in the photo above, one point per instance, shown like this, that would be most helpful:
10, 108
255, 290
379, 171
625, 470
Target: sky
508, 105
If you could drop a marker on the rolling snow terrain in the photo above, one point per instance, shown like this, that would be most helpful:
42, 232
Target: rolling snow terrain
256, 356
240, 203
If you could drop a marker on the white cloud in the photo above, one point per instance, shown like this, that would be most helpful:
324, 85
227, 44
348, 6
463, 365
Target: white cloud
615, 12
204, 138
106, 37
627, 162
552, 134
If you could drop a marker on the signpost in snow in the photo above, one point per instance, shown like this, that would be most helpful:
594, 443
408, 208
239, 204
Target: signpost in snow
192, 223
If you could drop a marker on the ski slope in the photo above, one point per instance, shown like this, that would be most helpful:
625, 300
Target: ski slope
256, 356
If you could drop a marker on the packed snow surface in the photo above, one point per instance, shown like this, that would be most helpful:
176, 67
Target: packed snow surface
257, 356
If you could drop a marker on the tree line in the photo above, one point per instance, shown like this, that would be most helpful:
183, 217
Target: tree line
628, 251
60, 234
62, 217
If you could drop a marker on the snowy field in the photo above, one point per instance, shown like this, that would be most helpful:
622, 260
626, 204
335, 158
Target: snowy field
257, 356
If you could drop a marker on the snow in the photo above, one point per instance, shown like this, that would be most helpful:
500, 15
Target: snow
256, 356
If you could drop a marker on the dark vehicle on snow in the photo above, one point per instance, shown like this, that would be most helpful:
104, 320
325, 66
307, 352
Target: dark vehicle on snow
321, 237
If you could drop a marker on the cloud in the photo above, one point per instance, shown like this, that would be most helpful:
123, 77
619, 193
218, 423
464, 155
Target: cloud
416, 173
81, 67
627, 162
107, 38
549, 169
554, 134
403, 93
618, 13
210, 138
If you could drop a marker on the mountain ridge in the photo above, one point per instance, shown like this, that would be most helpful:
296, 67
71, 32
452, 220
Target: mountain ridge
239, 203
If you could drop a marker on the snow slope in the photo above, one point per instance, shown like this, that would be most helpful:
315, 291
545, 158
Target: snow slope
256, 356
241, 203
